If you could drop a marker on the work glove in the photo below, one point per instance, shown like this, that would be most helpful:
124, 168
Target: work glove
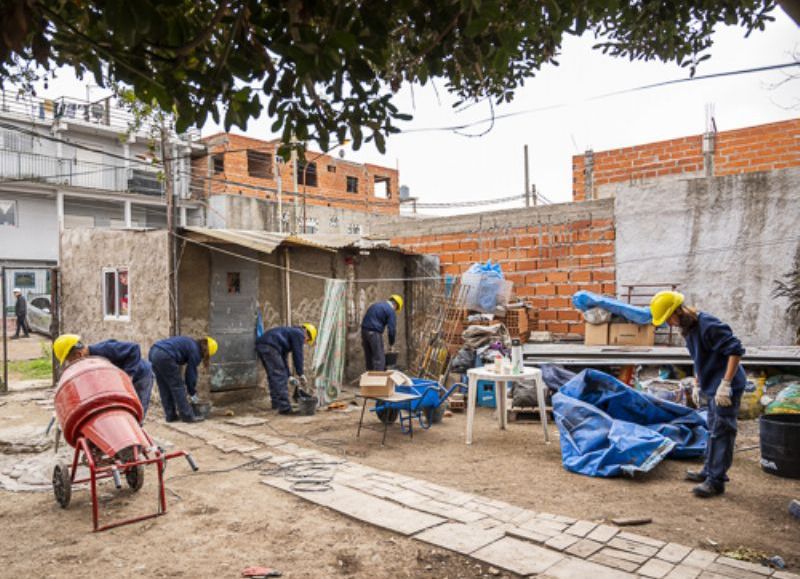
195, 399
303, 381
696, 395
723, 395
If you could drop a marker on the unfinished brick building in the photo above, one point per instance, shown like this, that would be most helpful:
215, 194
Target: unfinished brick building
243, 166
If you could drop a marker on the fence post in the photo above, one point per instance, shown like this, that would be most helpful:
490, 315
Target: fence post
4, 384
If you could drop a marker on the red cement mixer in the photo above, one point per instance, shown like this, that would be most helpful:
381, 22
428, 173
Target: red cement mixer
99, 414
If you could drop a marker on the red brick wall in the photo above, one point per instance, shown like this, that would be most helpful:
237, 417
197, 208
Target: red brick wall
761, 148
547, 262
331, 189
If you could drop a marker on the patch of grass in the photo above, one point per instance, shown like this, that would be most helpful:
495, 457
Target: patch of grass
38, 369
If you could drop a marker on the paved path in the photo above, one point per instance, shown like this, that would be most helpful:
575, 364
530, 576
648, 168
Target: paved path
518, 540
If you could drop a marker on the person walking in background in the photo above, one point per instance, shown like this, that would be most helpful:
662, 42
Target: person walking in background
379, 316
167, 356
716, 354
21, 311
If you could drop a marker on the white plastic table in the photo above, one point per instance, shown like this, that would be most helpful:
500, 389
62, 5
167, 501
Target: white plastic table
500, 382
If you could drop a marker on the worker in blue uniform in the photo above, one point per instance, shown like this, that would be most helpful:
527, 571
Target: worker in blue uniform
167, 356
379, 316
273, 348
127, 356
716, 353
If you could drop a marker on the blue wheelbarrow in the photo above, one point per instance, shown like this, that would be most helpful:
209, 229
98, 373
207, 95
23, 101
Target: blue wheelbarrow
427, 405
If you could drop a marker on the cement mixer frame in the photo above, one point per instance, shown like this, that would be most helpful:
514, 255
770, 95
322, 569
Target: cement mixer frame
103, 467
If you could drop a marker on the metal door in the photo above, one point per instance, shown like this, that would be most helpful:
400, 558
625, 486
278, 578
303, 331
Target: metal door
234, 295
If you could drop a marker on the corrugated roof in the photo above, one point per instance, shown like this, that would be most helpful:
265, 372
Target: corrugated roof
267, 242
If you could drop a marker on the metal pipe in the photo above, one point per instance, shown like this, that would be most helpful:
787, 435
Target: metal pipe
4, 385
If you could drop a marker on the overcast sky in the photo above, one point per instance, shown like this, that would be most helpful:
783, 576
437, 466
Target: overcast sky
445, 167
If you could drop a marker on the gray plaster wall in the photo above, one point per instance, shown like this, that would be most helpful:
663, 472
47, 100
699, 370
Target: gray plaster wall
723, 239
85, 252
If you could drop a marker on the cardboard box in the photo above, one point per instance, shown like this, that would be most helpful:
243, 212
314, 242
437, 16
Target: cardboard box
374, 383
596, 334
632, 335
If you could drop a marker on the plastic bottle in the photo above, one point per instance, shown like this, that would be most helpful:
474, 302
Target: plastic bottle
516, 357
498, 364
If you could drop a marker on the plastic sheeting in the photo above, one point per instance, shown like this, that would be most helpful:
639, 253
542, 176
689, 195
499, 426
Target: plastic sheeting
329, 353
608, 429
584, 301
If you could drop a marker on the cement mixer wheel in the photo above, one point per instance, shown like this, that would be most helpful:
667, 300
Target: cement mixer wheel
135, 477
62, 485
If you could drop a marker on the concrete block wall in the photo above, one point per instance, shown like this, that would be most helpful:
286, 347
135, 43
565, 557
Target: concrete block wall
766, 147
549, 252
332, 174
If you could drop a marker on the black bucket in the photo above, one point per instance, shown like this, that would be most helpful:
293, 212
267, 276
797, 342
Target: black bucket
307, 406
391, 359
780, 444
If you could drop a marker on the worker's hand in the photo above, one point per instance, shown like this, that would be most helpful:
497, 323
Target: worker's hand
723, 396
696, 395
195, 399
303, 381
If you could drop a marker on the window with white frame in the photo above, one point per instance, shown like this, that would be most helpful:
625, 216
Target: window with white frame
116, 305
8, 212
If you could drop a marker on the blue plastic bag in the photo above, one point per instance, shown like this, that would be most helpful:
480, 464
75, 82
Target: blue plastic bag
259, 324
584, 300
608, 429
490, 285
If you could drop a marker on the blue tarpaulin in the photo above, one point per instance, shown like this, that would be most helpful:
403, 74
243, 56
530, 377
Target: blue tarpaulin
608, 429
584, 300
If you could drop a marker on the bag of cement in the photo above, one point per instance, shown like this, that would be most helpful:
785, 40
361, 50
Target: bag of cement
787, 401
597, 316
463, 360
523, 396
671, 390
477, 336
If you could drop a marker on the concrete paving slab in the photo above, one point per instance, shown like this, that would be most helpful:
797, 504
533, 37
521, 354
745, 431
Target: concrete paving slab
246, 421
585, 548
624, 555
747, 566
540, 528
561, 542
735, 572
673, 552
632, 547
603, 533
656, 568
364, 507
449, 511
581, 528
784, 575
526, 535
464, 539
572, 568
517, 556
609, 561
684, 572
641, 539
700, 558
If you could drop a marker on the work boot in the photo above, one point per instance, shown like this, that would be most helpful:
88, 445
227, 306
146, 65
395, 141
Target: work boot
287, 412
707, 490
191, 419
695, 476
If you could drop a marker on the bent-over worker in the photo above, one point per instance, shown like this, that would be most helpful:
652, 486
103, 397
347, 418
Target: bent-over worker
716, 354
127, 356
167, 356
379, 316
273, 348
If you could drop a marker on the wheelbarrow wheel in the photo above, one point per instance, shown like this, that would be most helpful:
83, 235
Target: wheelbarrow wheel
135, 477
62, 485
434, 414
387, 415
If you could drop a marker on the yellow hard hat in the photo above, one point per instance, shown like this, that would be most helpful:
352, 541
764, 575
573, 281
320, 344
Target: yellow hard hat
212, 346
663, 305
312, 332
63, 346
398, 299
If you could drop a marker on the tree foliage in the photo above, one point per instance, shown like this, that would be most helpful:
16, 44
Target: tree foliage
328, 70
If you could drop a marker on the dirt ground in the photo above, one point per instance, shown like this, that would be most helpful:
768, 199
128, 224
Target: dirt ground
221, 522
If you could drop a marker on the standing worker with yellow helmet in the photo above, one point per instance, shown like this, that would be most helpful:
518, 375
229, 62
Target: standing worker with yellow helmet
127, 356
167, 356
716, 354
379, 316
273, 347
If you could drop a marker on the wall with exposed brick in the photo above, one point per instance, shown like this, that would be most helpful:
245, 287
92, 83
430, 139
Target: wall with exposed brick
549, 252
767, 147
331, 189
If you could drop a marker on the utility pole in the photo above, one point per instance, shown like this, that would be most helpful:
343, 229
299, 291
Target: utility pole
293, 228
171, 277
278, 165
535, 195
527, 180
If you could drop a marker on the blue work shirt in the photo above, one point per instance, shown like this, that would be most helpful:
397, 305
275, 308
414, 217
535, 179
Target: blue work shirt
127, 356
184, 351
285, 339
710, 344
379, 316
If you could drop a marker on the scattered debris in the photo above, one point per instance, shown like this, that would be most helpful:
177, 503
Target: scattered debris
229, 412
794, 508
631, 521
777, 562
247, 421
746, 554
261, 572
493, 571
339, 405
712, 542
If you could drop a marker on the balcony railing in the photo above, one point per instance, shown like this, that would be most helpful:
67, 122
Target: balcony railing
20, 166
103, 112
